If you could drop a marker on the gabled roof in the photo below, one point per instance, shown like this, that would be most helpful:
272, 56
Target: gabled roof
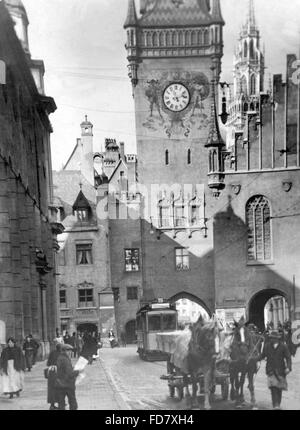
72, 154
81, 202
170, 13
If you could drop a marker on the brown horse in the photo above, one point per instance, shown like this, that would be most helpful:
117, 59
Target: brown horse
199, 358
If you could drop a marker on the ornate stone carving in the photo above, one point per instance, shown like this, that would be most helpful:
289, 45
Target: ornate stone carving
287, 186
177, 124
236, 188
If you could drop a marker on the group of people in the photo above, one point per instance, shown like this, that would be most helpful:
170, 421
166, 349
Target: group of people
60, 373
13, 363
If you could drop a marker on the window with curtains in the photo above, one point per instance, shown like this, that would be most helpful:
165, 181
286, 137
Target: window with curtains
182, 259
84, 254
132, 260
258, 215
82, 214
85, 298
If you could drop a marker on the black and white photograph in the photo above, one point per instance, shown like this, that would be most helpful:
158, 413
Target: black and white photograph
149, 207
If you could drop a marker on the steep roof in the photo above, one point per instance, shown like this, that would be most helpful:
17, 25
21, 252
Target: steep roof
170, 13
131, 19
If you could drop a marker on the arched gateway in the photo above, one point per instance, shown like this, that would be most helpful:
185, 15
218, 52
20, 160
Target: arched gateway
189, 307
269, 305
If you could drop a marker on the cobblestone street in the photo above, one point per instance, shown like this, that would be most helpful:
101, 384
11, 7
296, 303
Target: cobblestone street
119, 380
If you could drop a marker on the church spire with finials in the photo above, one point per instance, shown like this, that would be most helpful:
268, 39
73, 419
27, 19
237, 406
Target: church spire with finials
248, 76
251, 16
216, 13
131, 27
215, 145
131, 20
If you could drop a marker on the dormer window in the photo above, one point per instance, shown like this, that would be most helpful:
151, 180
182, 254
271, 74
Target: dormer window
82, 209
82, 215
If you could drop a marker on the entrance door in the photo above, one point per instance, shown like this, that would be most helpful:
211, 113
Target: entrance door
87, 328
268, 306
130, 331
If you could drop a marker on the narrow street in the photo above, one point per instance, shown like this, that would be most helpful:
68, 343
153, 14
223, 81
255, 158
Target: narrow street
119, 380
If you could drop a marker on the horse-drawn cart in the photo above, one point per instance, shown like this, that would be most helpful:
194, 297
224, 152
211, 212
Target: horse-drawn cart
166, 342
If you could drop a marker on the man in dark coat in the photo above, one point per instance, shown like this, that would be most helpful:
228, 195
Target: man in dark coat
279, 364
65, 379
52, 396
29, 349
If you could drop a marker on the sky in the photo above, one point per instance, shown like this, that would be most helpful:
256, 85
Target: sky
82, 45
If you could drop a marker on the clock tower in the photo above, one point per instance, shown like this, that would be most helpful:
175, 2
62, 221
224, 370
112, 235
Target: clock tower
174, 51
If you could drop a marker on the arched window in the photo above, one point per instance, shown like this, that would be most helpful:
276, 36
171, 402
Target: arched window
167, 158
155, 39
244, 85
245, 49
168, 39
252, 85
258, 221
189, 156
251, 49
206, 37
194, 38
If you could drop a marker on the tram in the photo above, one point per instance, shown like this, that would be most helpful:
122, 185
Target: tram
156, 317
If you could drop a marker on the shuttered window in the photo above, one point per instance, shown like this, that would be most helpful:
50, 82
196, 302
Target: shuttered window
259, 229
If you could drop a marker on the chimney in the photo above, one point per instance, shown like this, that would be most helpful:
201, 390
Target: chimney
122, 151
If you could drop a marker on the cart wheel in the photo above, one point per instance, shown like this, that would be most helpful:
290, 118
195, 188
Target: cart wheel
179, 393
172, 391
225, 390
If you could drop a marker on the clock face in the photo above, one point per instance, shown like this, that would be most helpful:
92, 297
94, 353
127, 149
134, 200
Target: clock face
176, 97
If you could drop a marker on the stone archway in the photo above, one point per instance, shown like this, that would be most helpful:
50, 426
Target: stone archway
189, 308
256, 307
130, 331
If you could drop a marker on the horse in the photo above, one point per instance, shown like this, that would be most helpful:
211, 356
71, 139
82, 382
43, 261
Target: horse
196, 355
246, 347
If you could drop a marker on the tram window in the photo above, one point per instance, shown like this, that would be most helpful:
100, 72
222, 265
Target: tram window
154, 323
169, 322
139, 323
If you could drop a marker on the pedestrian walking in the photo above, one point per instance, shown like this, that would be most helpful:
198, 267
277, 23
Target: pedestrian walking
67, 339
79, 344
52, 394
73, 343
65, 379
36, 346
29, 350
278, 365
12, 367
123, 339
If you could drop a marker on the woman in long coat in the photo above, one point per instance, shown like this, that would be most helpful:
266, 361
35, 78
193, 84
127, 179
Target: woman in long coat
12, 367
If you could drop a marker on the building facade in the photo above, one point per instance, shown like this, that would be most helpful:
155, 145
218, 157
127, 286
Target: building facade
219, 222
28, 225
203, 213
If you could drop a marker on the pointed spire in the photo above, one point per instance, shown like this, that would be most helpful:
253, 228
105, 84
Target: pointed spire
251, 22
216, 13
131, 20
214, 135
